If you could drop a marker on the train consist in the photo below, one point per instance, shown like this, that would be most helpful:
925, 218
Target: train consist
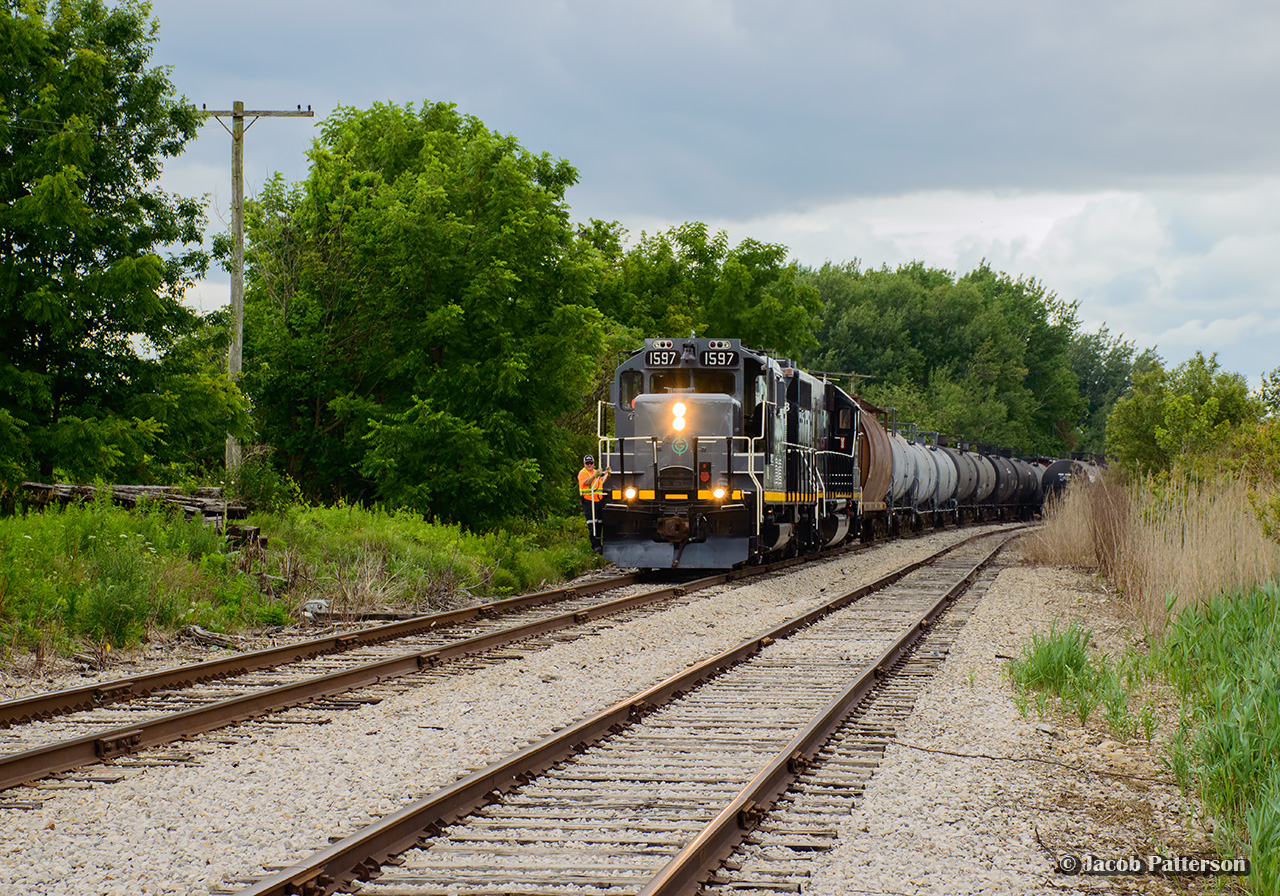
721, 455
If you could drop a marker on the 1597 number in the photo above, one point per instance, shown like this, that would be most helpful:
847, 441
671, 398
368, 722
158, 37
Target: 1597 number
719, 359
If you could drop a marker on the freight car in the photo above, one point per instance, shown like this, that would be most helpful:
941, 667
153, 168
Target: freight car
720, 454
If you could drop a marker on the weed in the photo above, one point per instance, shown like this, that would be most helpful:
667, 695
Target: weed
96, 574
1051, 660
1148, 720
1222, 655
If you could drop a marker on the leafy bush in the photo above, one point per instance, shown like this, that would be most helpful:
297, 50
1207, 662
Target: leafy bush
1224, 657
97, 575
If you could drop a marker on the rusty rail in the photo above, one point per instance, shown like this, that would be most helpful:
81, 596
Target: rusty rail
684, 874
40, 706
29, 765
361, 855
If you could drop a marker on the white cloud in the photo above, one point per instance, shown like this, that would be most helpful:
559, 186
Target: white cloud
1124, 256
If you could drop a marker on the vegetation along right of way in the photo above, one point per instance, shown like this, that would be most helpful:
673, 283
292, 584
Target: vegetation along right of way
1186, 529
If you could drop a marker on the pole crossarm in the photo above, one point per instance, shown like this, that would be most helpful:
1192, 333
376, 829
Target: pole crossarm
263, 113
238, 114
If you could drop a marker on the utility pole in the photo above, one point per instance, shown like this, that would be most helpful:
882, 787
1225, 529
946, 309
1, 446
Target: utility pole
237, 114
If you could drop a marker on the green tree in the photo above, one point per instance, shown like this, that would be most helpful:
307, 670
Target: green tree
1269, 394
89, 308
686, 279
983, 356
1188, 410
1102, 364
418, 316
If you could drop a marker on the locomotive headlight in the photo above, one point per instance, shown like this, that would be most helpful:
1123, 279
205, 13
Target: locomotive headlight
677, 424
629, 493
678, 409
677, 419
718, 493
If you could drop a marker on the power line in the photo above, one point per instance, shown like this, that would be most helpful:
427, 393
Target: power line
45, 126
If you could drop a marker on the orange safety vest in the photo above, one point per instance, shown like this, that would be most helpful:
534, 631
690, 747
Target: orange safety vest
591, 485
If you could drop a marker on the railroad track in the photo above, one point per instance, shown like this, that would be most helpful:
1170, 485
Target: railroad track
651, 794
182, 702
95, 696
777, 856
62, 731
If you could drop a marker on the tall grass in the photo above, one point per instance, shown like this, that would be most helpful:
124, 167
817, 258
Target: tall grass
1224, 657
1066, 538
95, 574
360, 559
98, 576
1194, 560
1162, 543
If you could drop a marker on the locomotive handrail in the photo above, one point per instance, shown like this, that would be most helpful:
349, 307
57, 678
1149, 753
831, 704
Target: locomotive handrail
849, 473
606, 450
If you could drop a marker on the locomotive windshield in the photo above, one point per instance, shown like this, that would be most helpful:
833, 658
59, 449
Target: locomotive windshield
721, 381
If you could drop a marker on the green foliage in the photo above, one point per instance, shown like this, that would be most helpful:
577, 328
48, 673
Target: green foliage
360, 558
1058, 664
92, 377
1224, 657
1052, 660
98, 574
1181, 413
421, 296
685, 280
260, 486
1102, 364
983, 356
1269, 394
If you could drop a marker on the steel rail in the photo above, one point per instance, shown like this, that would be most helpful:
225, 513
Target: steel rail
361, 855
53, 703
29, 765
687, 870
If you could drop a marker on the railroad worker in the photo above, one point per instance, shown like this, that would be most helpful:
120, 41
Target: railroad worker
591, 490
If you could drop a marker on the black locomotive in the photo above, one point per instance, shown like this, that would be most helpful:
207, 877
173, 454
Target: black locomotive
720, 454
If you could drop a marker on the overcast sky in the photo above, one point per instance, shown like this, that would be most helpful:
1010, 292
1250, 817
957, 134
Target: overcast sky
1125, 154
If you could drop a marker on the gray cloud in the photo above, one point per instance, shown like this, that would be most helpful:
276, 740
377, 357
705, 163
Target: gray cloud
1114, 150
710, 108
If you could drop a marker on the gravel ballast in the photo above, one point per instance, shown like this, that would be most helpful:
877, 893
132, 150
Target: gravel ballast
948, 812
276, 792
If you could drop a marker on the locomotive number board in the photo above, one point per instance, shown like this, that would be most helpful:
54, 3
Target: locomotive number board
662, 357
719, 359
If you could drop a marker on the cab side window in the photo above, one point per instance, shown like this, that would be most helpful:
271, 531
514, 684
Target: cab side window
632, 384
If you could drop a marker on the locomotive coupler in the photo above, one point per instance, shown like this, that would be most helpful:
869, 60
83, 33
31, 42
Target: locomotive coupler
674, 529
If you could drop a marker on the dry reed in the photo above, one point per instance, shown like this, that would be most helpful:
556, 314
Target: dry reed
1164, 544
1066, 538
